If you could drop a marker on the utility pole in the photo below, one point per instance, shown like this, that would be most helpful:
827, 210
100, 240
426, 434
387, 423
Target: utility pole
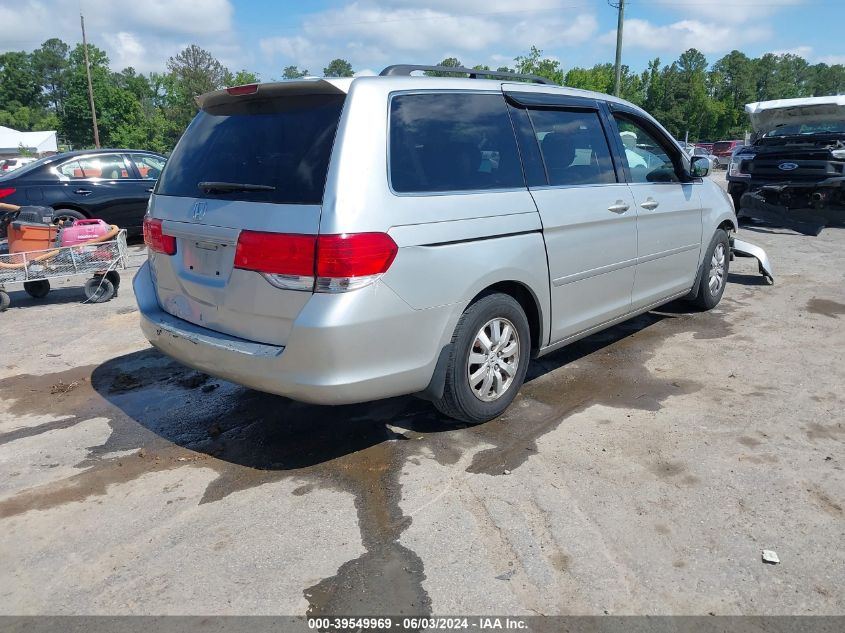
90, 87
619, 24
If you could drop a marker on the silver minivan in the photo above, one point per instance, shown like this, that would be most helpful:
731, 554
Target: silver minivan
345, 240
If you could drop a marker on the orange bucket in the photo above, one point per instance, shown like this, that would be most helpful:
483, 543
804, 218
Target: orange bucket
24, 236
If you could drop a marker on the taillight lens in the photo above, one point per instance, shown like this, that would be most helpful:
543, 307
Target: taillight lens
155, 238
276, 253
325, 263
7, 191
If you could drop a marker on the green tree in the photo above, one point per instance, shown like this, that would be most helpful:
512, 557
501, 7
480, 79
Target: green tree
292, 72
243, 77
338, 68
19, 85
449, 62
50, 62
535, 64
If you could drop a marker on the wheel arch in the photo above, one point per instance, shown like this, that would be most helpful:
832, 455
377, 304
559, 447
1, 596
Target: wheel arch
69, 206
527, 300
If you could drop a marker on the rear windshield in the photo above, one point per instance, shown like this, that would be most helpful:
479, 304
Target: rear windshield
283, 143
723, 146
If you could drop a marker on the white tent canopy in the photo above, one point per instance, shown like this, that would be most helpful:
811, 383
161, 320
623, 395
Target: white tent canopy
37, 142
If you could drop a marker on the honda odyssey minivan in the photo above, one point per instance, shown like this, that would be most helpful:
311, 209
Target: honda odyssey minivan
345, 240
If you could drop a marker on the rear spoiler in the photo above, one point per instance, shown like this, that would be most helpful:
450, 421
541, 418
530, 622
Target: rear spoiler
292, 88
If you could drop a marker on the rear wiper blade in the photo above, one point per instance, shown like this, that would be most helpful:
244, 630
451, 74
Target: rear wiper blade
226, 187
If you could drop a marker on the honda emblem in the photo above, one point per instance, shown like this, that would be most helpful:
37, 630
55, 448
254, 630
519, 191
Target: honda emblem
199, 209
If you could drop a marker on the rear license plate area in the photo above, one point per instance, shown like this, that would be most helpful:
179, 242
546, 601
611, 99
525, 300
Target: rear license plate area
205, 258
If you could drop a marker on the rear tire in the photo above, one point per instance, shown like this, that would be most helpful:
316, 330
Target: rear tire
714, 274
5, 301
491, 348
98, 290
37, 289
66, 215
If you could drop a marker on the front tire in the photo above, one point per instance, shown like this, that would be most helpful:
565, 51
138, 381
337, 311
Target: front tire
491, 348
714, 276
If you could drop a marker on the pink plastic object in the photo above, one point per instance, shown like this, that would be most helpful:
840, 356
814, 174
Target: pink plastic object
82, 231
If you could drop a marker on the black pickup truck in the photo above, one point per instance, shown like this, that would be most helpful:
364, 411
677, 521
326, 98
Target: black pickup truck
793, 173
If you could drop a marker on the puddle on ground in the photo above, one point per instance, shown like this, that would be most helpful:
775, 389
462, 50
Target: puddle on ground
174, 417
826, 307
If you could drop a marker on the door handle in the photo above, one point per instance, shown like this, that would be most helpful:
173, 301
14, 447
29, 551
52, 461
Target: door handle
82, 192
650, 204
619, 207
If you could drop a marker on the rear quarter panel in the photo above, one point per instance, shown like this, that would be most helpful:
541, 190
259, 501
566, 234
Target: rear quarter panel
451, 245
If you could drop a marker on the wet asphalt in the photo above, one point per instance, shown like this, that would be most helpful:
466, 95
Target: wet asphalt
641, 470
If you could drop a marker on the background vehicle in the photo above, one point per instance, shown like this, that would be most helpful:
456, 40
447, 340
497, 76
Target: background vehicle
794, 167
380, 236
114, 185
11, 164
722, 150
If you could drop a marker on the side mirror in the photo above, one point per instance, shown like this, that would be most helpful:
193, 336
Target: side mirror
699, 166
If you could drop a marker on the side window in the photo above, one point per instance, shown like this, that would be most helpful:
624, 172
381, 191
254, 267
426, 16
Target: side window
573, 146
452, 142
649, 160
148, 166
71, 169
106, 167
529, 148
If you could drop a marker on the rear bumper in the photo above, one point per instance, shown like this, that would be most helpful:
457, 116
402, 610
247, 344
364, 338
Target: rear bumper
343, 348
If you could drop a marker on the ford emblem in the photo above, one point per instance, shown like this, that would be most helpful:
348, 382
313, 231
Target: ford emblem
788, 166
200, 207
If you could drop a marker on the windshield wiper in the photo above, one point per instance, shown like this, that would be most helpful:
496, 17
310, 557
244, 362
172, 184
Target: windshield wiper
228, 187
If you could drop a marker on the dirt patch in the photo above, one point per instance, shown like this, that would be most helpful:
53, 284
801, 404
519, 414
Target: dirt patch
826, 307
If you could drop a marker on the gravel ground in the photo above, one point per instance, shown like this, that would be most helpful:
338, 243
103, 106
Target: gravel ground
640, 471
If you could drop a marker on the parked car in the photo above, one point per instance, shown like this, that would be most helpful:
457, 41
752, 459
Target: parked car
356, 241
700, 151
791, 174
11, 164
722, 150
111, 184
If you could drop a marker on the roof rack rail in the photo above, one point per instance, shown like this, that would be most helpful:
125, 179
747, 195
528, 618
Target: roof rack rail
406, 69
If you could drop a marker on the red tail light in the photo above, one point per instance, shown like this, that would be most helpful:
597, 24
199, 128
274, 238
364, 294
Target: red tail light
156, 239
246, 89
7, 191
354, 254
276, 253
325, 263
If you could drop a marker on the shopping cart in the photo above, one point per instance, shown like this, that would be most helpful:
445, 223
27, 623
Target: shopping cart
34, 269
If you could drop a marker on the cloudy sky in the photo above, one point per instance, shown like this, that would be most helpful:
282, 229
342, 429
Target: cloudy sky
267, 35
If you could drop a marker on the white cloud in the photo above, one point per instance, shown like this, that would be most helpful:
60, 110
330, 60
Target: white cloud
802, 51
831, 60
393, 31
685, 34
141, 34
732, 11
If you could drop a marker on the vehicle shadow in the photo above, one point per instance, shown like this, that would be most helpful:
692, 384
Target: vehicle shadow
747, 280
21, 299
245, 427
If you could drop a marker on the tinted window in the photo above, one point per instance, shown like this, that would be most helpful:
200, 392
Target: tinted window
149, 167
284, 143
452, 142
107, 167
649, 158
529, 148
71, 169
573, 146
